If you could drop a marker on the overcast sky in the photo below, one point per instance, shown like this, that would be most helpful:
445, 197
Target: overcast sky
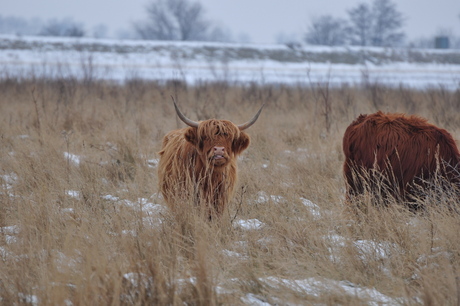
260, 20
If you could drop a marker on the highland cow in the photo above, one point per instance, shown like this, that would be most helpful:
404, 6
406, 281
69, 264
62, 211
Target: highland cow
198, 163
397, 155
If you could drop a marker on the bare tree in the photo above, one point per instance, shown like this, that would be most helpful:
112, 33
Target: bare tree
327, 30
64, 27
174, 20
19, 26
361, 18
386, 28
377, 25
99, 31
219, 33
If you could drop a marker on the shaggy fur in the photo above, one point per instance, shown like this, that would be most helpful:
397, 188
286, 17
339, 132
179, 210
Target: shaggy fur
406, 151
188, 170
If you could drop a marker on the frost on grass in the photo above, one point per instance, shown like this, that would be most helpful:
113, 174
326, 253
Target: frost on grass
375, 250
153, 163
138, 279
254, 300
75, 159
65, 263
73, 194
263, 197
317, 287
28, 299
366, 250
250, 224
9, 233
152, 212
234, 254
134, 284
8, 180
314, 209
142, 204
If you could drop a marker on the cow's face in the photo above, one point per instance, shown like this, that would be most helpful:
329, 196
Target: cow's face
217, 141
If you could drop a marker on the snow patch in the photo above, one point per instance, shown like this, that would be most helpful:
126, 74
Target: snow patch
75, 159
250, 224
73, 194
153, 163
314, 209
263, 197
316, 287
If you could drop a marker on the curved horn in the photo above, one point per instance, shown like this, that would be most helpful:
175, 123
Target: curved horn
187, 121
252, 121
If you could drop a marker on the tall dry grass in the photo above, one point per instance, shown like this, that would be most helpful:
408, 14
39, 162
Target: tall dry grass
79, 188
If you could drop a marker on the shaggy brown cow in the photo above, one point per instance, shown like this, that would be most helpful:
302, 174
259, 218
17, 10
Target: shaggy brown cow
198, 163
402, 152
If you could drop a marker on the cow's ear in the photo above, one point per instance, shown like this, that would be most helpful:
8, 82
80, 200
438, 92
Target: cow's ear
241, 143
190, 135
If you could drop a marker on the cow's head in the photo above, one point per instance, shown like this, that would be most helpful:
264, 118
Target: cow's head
217, 141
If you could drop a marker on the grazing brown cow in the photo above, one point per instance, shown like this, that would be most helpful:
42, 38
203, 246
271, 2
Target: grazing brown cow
402, 152
198, 163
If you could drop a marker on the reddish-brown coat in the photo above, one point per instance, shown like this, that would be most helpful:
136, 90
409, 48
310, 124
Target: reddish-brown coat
406, 149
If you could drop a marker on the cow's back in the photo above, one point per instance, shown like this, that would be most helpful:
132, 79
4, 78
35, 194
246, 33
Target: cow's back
404, 148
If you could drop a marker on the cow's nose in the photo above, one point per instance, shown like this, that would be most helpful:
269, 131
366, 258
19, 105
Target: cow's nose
219, 150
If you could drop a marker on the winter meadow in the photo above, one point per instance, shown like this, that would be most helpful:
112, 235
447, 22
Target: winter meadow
82, 221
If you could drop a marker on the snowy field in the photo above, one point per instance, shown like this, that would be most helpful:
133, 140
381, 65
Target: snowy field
153, 214
234, 63
237, 64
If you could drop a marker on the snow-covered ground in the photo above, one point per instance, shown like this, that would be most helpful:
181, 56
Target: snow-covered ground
153, 214
195, 62
199, 62
314, 286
